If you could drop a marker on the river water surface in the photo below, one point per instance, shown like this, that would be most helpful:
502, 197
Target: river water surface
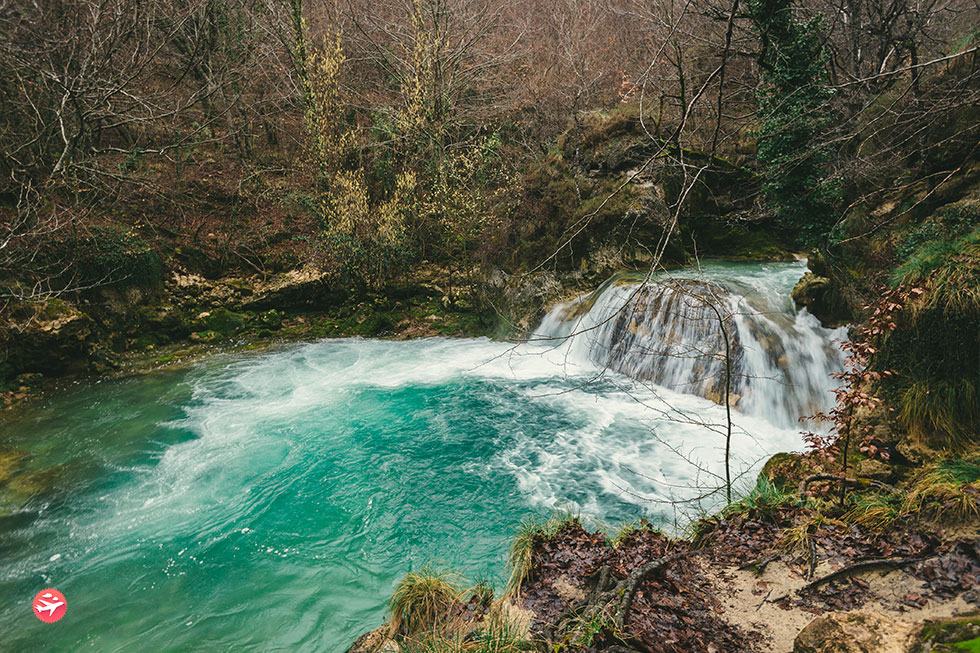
271, 501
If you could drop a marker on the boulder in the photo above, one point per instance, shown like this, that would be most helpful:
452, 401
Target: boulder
784, 471
853, 632
819, 295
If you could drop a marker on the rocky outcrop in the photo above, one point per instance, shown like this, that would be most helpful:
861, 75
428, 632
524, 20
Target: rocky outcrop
52, 337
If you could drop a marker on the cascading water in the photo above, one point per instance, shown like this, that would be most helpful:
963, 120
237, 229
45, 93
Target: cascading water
690, 331
270, 501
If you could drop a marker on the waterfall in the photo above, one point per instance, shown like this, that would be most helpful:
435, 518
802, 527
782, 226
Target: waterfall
671, 331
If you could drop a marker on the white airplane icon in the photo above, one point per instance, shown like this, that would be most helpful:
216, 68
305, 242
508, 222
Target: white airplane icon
50, 607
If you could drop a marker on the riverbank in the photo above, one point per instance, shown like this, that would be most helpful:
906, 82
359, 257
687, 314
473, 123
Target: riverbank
775, 572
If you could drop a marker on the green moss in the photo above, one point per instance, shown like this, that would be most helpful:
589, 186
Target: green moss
784, 471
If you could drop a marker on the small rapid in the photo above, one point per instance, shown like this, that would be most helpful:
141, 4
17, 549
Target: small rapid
271, 500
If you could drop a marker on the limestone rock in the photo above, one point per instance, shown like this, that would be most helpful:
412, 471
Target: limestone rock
303, 287
874, 469
51, 338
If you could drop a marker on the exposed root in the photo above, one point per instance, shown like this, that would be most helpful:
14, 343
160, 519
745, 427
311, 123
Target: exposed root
853, 482
864, 565
608, 601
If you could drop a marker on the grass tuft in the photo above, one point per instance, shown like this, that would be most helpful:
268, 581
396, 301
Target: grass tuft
940, 412
521, 549
627, 530
496, 634
947, 491
764, 496
422, 600
875, 511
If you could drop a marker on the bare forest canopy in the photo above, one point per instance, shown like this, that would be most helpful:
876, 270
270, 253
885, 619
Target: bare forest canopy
385, 133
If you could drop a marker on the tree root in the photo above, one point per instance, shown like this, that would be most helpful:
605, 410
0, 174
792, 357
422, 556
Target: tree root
759, 566
864, 565
853, 482
608, 601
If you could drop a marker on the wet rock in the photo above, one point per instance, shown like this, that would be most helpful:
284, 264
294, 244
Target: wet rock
852, 632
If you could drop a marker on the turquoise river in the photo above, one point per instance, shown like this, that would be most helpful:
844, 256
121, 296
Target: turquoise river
270, 501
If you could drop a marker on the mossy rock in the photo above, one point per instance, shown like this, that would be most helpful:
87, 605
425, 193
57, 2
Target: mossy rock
223, 321
950, 635
822, 298
269, 320
784, 471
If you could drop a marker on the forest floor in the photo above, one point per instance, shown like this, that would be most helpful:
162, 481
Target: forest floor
754, 581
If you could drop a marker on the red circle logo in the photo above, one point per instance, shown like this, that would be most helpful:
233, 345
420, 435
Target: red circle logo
49, 605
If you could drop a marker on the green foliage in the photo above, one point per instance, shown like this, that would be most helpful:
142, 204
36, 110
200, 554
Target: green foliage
793, 114
764, 496
924, 249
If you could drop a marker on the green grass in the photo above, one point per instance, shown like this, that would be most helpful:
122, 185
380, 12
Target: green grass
629, 529
946, 490
764, 496
874, 510
932, 254
940, 412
